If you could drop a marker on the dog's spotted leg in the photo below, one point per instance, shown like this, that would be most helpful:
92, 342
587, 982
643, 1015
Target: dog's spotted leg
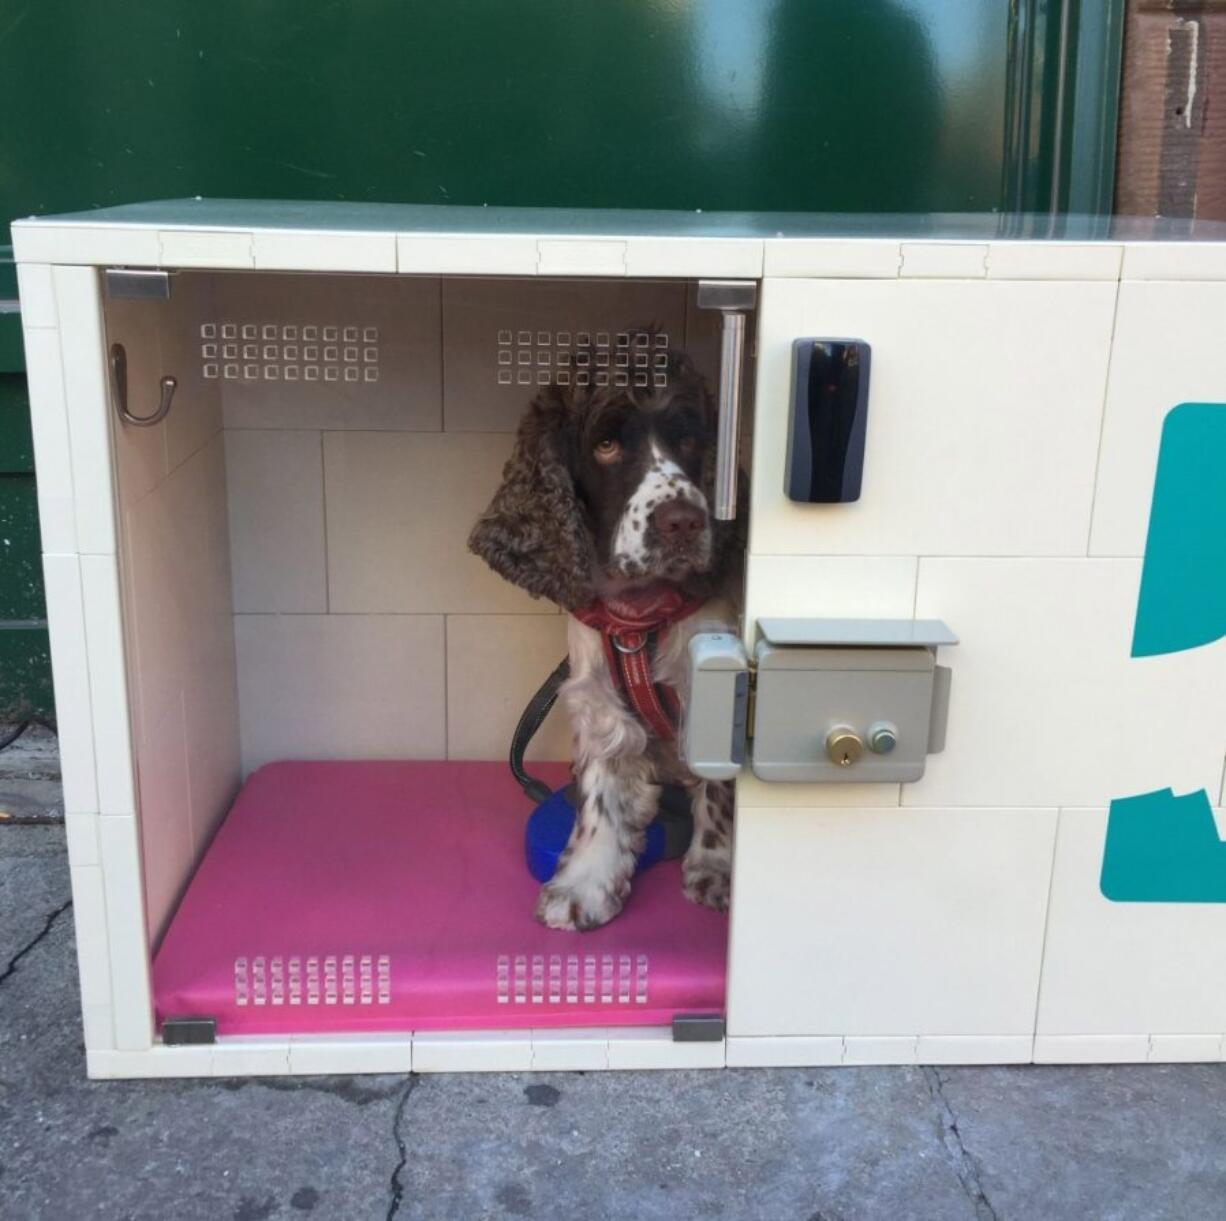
616, 802
707, 869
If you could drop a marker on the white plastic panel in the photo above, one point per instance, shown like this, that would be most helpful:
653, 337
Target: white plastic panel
832, 258
983, 419
887, 922
881, 1049
81, 837
570, 1050
695, 257
473, 1051
400, 508
581, 257
974, 1049
505, 658
93, 953
367, 1053
944, 260
1174, 261
180, 668
126, 935
37, 293
1135, 969
1168, 350
828, 587
260, 1056
750, 791
83, 352
1185, 1048
1091, 1049
253, 1056
275, 491
650, 1047
297, 250
1047, 706
203, 248
52, 449
468, 255
1054, 261
70, 681
799, 1051
97, 1027
128, 245
156, 1062
340, 687
108, 684
785, 1052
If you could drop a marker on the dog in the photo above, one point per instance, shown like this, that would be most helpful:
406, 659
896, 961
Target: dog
605, 508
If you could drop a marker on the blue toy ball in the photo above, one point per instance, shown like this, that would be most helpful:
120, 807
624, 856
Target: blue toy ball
550, 824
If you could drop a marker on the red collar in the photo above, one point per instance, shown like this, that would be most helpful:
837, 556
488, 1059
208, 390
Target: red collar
630, 627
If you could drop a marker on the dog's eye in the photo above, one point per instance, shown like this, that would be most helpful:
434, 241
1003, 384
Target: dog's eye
608, 450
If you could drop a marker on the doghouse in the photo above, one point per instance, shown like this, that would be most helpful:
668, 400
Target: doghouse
977, 729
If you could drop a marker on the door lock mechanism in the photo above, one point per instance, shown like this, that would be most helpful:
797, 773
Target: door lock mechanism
844, 745
882, 737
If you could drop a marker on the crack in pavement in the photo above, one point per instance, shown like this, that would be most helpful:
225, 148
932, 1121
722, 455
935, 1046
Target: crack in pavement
30, 945
964, 1165
347, 1089
397, 1186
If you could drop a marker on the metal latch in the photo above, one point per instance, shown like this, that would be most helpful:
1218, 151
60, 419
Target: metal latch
177, 1032
698, 1028
733, 299
841, 700
123, 284
751, 697
817, 700
719, 710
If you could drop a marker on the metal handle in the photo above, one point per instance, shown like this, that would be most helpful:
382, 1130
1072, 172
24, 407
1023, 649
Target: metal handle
731, 358
731, 298
119, 389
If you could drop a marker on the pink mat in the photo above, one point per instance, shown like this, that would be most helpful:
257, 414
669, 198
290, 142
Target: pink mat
394, 896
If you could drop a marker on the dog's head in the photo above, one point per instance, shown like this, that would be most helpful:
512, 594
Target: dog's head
609, 489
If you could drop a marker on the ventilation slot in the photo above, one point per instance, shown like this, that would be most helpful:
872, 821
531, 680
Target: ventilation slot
539, 979
346, 979
581, 358
266, 351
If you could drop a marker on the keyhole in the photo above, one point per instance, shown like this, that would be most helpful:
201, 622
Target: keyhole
844, 745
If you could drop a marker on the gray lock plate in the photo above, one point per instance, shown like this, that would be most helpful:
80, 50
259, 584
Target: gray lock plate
857, 633
803, 694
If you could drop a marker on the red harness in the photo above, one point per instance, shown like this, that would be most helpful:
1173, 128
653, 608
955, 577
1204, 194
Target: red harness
630, 628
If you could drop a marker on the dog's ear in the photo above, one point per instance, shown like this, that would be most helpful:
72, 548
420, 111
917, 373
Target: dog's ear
534, 532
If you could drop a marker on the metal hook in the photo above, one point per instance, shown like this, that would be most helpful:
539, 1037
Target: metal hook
119, 389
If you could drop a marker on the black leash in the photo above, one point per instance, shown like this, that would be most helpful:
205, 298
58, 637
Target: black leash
674, 815
529, 722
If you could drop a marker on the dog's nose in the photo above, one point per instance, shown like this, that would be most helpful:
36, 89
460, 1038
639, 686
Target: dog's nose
678, 520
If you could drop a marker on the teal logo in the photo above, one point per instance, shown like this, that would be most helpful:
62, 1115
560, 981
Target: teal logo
1161, 848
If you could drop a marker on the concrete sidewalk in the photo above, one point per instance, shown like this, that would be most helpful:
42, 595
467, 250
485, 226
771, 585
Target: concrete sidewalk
803, 1144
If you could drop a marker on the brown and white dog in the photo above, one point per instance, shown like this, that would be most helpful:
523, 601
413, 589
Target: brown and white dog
604, 508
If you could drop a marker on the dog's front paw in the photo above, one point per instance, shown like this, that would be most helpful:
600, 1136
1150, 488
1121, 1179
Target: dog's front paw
707, 881
577, 908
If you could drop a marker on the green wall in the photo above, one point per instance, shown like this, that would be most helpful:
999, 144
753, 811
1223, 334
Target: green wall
793, 105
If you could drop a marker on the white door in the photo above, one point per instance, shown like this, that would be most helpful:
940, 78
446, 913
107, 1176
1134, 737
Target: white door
888, 916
